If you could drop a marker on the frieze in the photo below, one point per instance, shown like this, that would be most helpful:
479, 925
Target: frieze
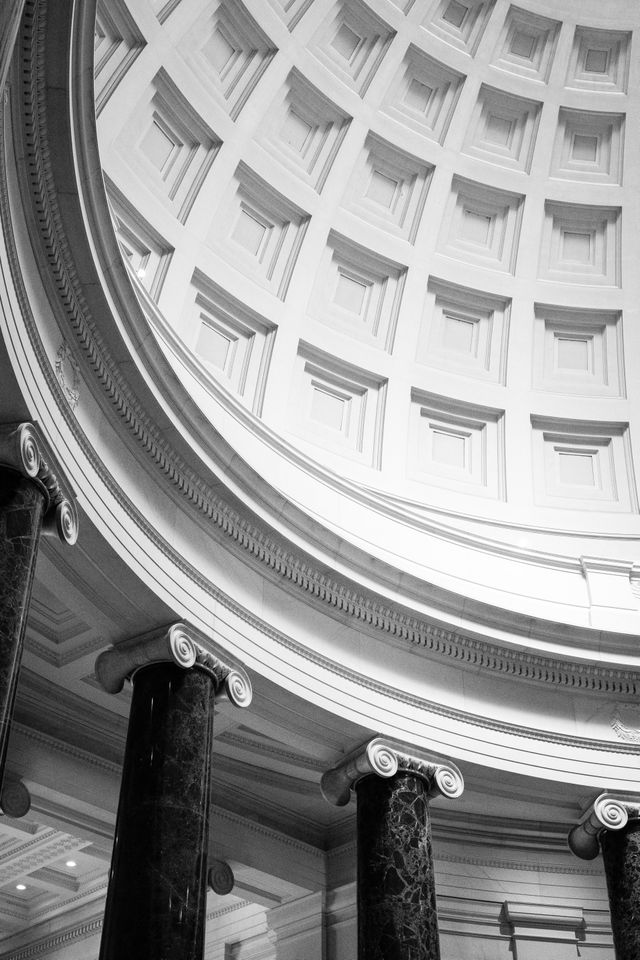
49, 944
251, 826
268, 749
63, 746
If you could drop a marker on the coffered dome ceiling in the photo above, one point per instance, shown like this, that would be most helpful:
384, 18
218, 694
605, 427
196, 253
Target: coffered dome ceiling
340, 307
388, 249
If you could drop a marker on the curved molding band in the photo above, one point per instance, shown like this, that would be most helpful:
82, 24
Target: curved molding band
607, 812
24, 449
175, 644
385, 758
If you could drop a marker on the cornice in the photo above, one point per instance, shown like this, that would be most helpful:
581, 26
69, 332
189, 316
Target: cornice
46, 945
63, 747
61, 659
91, 892
525, 865
98, 732
302, 827
404, 698
265, 831
232, 908
268, 749
299, 571
571, 869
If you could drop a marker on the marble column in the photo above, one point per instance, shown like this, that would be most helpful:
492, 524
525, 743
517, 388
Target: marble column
31, 501
612, 824
397, 914
156, 900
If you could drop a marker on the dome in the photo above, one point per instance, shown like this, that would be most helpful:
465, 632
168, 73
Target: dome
382, 249
327, 312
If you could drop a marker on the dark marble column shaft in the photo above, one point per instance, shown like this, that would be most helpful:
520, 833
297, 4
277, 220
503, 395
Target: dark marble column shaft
621, 854
22, 505
158, 882
397, 915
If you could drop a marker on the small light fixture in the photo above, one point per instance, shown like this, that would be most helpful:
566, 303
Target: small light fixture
71, 863
20, 886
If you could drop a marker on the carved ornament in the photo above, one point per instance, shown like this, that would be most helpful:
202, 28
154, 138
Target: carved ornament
220, 877
626, 723
385, 758
23, 449
174, 644
607, 812
68, 374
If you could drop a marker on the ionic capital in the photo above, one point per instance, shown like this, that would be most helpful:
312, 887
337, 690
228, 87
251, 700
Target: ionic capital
15, 799
175, 644
607, 812
220, 877
385, 758
24, 449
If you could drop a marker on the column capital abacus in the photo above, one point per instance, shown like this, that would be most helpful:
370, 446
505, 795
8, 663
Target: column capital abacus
24, 449
174, 644
607, 812
385, 758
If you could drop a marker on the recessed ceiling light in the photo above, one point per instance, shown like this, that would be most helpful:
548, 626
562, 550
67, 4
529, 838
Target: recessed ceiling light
70, 863
20, 886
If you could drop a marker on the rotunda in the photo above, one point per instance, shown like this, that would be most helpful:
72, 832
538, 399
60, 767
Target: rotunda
323, 315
